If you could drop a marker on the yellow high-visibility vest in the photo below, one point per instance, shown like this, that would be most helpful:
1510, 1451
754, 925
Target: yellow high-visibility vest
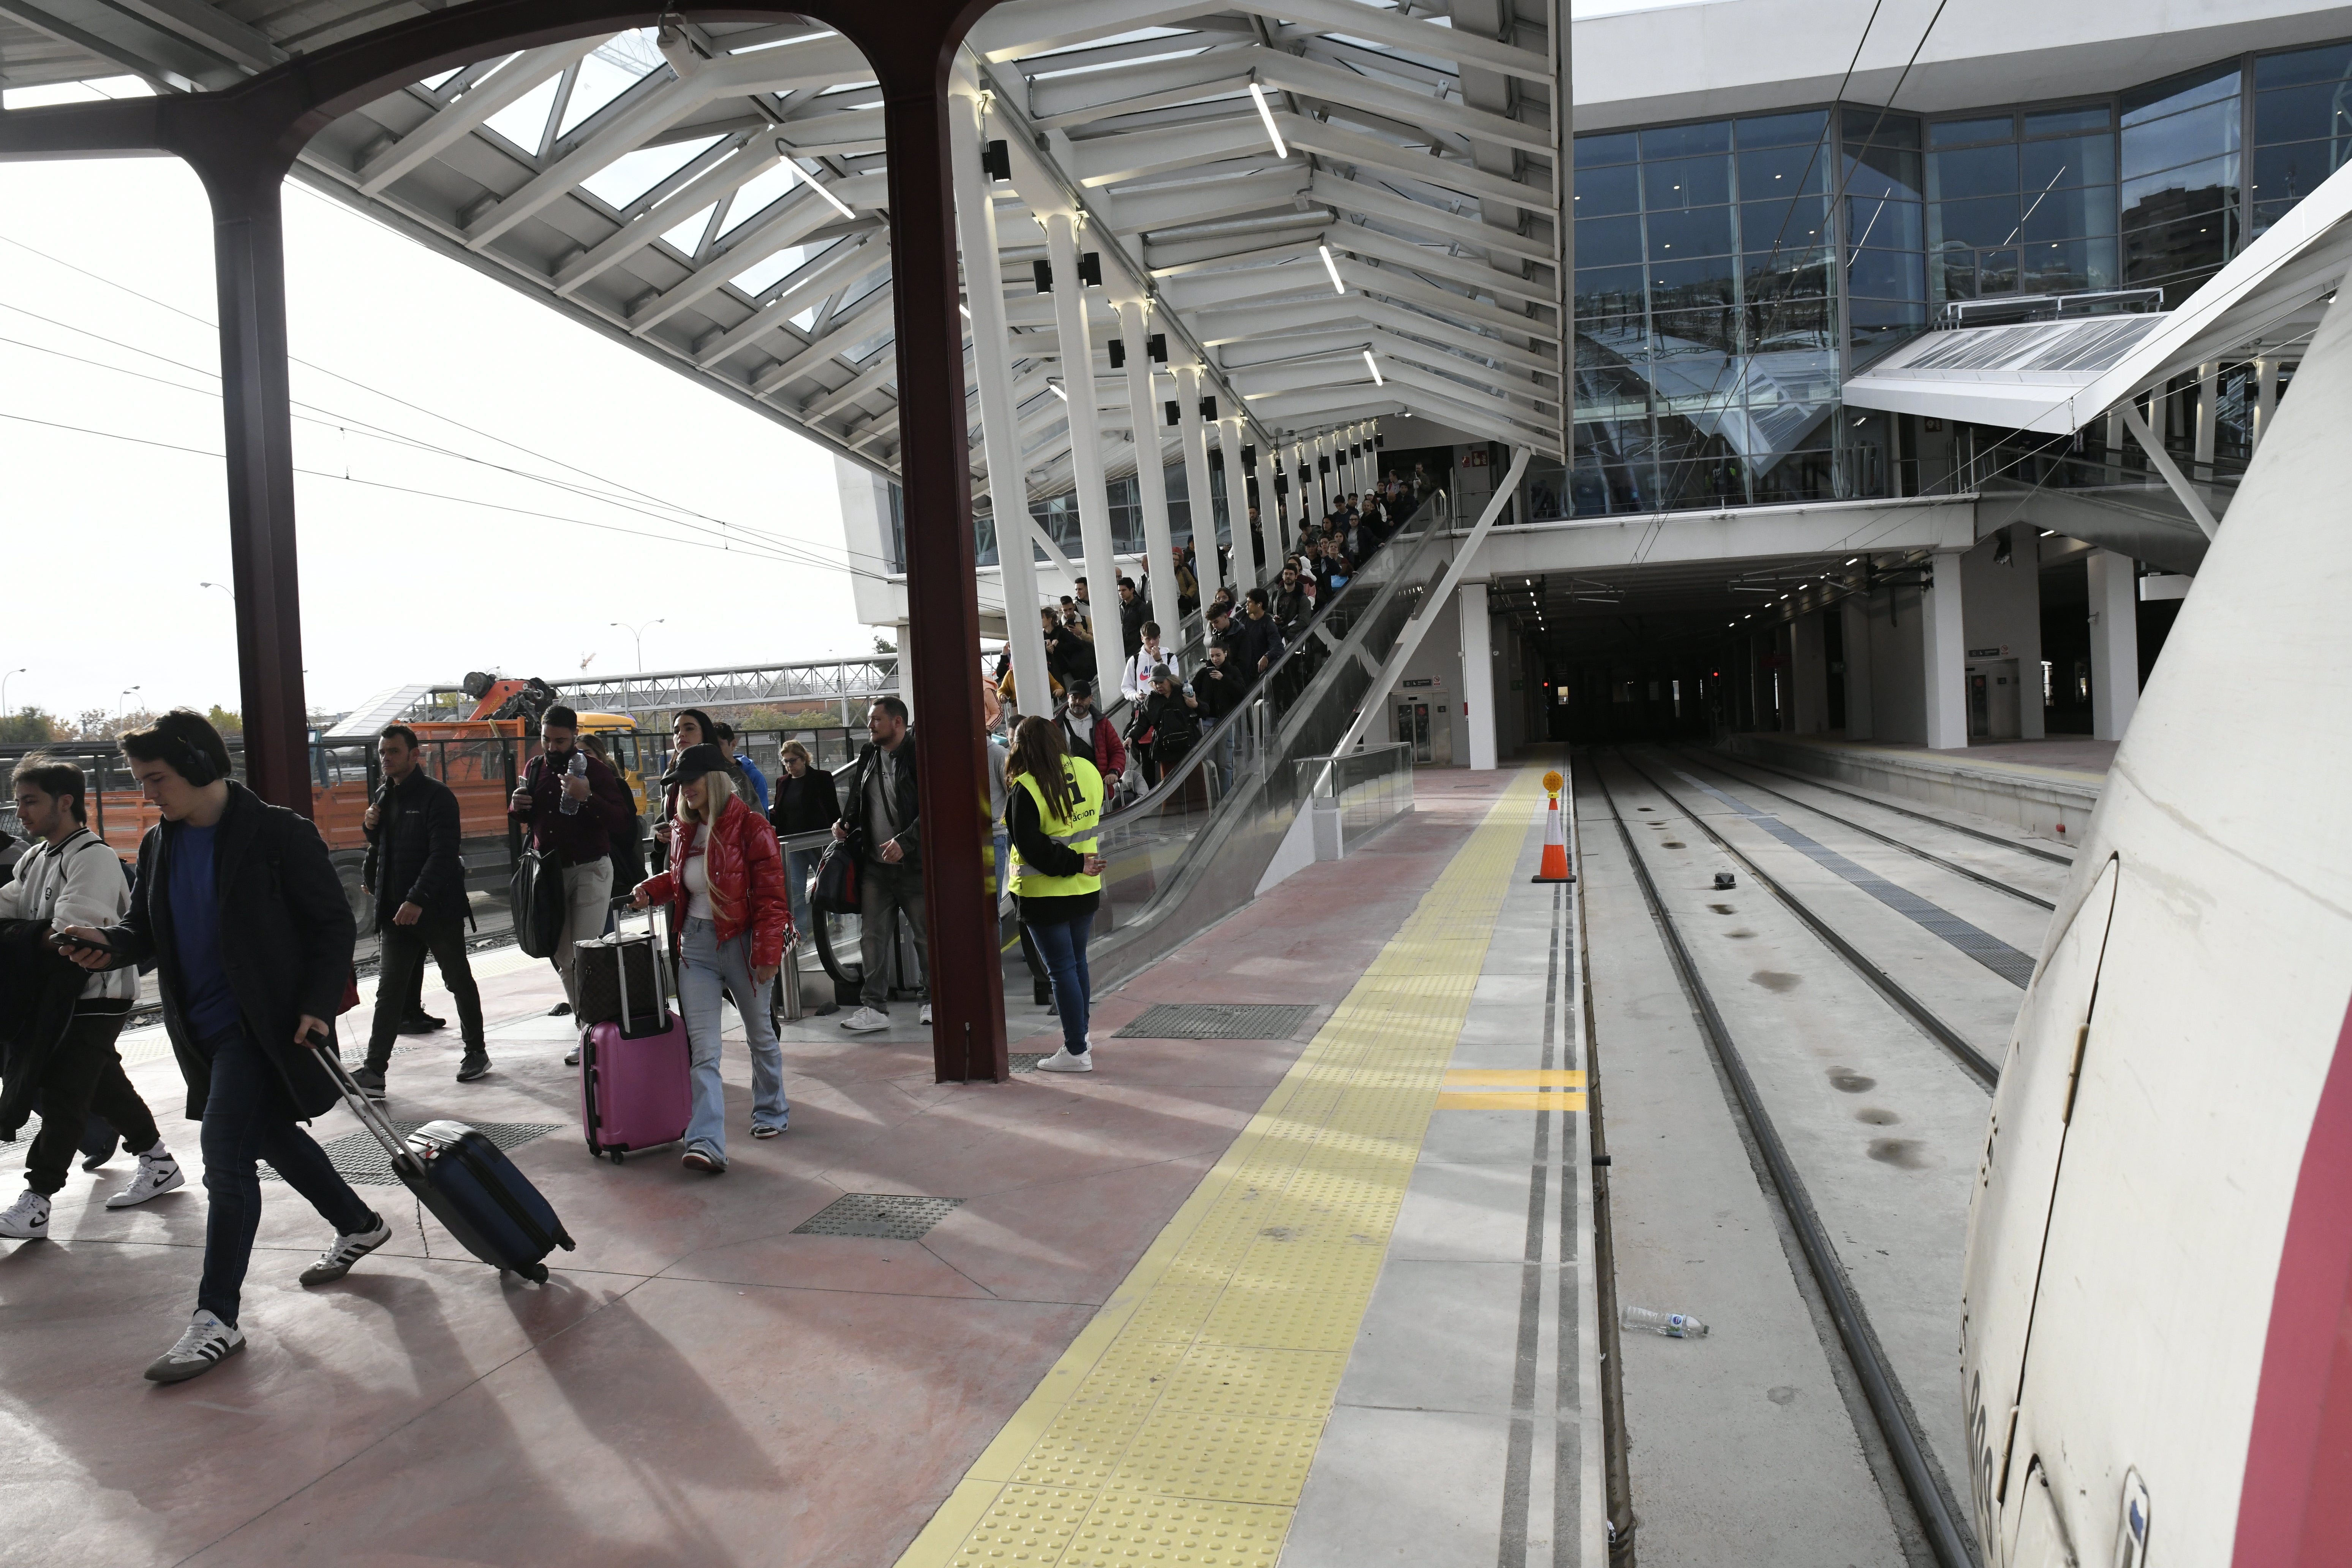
1077, 831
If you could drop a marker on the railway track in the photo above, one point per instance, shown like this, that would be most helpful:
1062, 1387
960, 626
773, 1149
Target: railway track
1978, 1065
1925, 1495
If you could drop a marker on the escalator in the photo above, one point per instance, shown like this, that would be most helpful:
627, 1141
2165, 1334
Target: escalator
1193, 849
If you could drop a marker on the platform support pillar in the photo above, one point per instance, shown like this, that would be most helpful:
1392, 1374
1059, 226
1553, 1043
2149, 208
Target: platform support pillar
2209, 392
1199, 501
966, 969
2115, 643
1856, 611
1080, 407
1150, 474
1230, 429
1478, 680
1269, 515
1809, 675
1943, 648
257, 419
999, 430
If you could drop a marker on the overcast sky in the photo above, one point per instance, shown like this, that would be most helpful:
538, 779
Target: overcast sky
108, 540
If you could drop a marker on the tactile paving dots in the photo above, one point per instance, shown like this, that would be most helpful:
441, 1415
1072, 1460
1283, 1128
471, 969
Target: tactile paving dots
1189, 1440
1199, 1454
1027, 1524
1145, 1532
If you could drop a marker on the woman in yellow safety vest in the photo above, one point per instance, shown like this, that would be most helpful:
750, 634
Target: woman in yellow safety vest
1053, 806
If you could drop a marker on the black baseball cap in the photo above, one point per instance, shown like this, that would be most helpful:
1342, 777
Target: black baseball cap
695, 760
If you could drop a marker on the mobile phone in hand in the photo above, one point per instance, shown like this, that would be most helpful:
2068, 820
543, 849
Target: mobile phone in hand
78, 943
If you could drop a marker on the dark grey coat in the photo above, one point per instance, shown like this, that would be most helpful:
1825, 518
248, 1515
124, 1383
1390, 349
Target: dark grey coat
286, 938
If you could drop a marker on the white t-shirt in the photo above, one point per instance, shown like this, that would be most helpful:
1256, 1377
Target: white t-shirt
696, 876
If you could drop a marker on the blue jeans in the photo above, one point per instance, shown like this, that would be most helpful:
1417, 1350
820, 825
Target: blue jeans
1063, 945
708, 965
249, 1116
799, 865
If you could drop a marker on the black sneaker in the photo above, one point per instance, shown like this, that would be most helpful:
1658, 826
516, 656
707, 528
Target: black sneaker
561, 1010
421, 1023
475, 1063
370, 1081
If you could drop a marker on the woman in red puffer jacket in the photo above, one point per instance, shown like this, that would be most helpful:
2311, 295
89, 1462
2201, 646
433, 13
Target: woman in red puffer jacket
732, 922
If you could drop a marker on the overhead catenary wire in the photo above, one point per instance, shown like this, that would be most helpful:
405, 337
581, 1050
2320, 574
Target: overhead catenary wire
354, 381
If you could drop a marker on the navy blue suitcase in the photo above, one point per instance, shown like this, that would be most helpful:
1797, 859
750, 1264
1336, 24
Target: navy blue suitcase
468, 1183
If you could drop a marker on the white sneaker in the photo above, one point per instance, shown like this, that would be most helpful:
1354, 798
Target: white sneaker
204, 1345
158, 1174
865, 1021
349, 1248
27, 1219
1063, 1061
925, 1020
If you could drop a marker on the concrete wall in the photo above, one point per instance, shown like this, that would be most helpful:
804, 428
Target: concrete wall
2002, 609
1899, 690
1438, 661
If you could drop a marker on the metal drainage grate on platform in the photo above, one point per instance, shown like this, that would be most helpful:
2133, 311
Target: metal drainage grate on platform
888, 1216
1216, 1021
363, 1162
1026, 1061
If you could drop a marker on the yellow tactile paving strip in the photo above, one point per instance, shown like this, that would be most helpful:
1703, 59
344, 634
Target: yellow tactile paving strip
1179, 1427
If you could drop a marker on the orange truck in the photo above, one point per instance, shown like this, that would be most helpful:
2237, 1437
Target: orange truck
479, 755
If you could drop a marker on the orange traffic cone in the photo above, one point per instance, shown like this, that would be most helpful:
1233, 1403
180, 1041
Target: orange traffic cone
1555, 855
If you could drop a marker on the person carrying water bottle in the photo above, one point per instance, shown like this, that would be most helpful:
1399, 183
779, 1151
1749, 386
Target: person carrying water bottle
1054, 814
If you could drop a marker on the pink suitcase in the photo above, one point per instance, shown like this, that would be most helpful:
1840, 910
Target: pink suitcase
636, 1091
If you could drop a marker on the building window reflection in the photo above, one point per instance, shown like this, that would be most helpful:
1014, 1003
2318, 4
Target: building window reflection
2180, 194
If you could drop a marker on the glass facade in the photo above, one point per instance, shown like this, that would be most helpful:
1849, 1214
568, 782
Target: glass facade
1723, 288
1707, 316
2181, 197
2022, 201
2302, 127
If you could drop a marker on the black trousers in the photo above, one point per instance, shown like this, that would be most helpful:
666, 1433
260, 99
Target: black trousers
85, 1077
400, 977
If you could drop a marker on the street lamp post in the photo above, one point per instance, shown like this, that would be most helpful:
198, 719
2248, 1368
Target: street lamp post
637, 635
119, 702
222, 587
5, 677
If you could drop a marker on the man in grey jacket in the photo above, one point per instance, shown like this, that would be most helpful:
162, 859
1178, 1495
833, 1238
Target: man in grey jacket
70, 877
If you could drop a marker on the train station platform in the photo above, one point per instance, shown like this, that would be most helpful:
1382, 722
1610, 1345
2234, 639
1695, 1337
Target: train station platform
1306, 1289
2048, 787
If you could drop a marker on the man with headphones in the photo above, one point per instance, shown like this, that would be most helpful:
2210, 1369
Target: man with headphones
239, 907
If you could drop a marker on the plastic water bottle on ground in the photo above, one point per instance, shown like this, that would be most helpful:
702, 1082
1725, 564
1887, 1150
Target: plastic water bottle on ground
1673, 1325
579, 769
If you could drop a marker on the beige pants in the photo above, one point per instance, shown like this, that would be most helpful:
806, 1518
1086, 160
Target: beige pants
587, 901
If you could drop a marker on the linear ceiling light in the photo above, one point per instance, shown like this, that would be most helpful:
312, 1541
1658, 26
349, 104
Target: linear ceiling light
1373, 365
1054, 387
1333, 269
812, 181
1267, 114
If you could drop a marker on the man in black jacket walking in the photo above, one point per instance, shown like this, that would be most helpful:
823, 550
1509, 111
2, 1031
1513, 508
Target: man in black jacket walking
882, 828
419, 882
239, 907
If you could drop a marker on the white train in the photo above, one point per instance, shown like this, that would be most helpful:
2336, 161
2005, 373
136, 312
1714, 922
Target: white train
2156, 1340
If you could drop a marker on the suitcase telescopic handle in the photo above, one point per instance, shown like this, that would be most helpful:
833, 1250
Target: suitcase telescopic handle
369, 1114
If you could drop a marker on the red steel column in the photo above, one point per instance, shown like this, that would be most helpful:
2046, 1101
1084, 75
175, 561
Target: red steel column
966, 976
249, 261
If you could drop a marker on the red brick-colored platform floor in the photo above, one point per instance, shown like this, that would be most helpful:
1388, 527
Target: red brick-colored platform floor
694, 1384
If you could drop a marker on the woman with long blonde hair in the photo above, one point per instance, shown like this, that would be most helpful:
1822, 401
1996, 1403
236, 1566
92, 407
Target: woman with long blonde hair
731, 922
